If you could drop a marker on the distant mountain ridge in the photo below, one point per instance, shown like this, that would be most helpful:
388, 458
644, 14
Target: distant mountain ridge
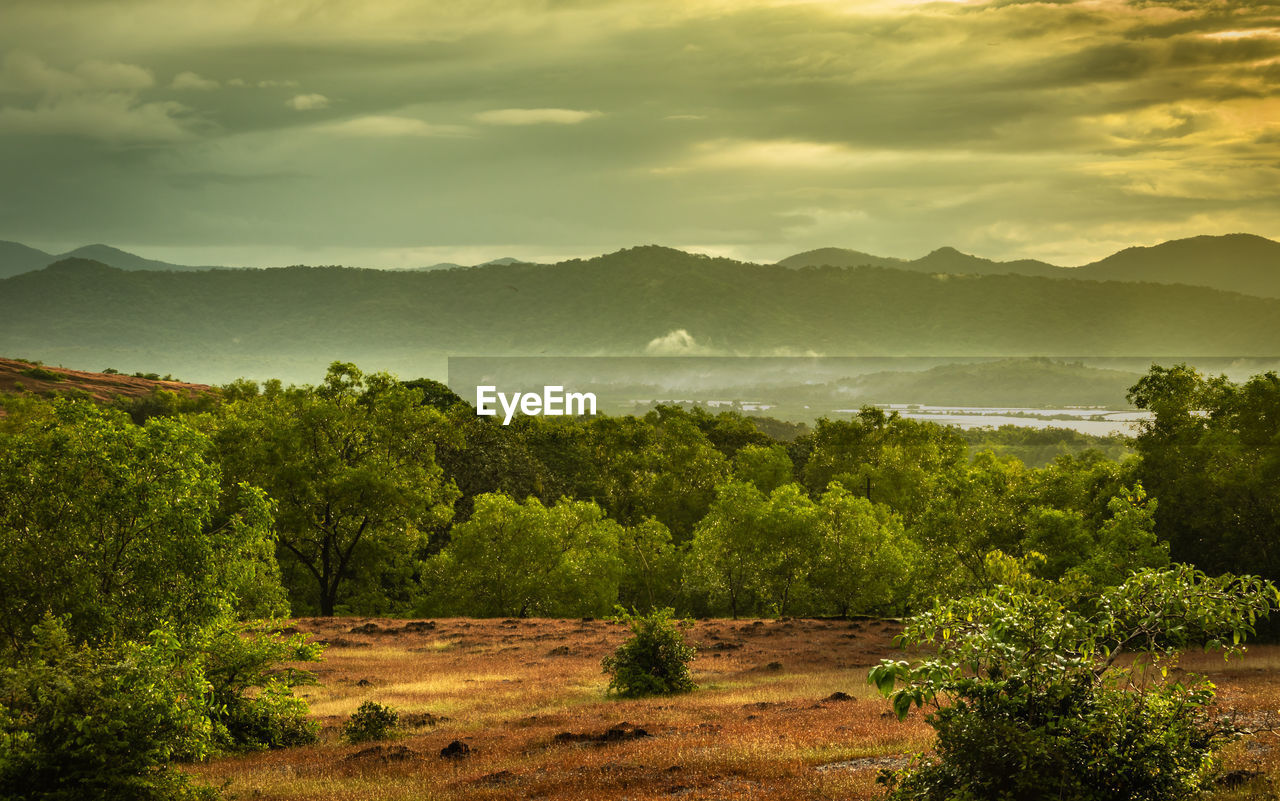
290, 322
16, 259
1235, 263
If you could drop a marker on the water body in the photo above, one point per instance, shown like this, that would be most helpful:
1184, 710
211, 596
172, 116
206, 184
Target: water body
1086, 420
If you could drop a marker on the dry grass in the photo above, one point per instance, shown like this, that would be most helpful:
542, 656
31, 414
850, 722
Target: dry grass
758, 727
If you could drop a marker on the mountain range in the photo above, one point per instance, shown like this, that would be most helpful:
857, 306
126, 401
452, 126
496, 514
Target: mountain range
290, 322
1235, 263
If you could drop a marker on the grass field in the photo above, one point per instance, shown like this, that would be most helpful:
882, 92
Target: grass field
527, 698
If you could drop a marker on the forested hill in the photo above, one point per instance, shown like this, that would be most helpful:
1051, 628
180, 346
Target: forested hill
219, 324
1234, 263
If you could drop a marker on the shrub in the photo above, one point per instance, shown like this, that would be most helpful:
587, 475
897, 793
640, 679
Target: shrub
43, 374
80, 722
372, 721
252, 705
1030, 702
655, 660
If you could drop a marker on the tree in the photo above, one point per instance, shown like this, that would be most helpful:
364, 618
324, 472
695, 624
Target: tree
1211, 456
350, 465
651, 566
883, 457
1034, 695
124, 565
516, 560
122, 529
754, 551
864, 558
767, 467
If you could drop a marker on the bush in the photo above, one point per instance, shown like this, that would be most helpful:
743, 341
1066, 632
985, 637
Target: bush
372, 721
655, 660
252, 705
1030, 702
43, 374
103, 723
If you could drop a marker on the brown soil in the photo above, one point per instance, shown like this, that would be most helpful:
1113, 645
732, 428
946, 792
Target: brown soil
526, 719
16, 377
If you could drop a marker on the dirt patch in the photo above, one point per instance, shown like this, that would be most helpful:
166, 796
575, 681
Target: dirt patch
879, 763
383, 755
19, 377
620, 732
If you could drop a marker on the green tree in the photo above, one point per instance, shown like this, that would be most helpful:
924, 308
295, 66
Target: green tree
766, 466
1033, 694
100, 722
122, 529
652, 566
350, 465
516, 560
885, 458
864, 559
752, 551
1211, 456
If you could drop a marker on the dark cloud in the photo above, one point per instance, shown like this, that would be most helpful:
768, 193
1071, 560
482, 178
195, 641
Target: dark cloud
1052, 129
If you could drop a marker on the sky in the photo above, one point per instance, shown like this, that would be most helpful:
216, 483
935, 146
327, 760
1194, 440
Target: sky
399, 133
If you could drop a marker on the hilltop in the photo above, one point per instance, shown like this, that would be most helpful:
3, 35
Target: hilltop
18, 376
1234, 263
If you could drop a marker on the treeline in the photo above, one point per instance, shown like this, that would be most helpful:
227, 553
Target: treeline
392, 497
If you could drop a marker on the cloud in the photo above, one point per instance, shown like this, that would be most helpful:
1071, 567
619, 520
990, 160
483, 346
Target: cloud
535, 116
190, 80
385, 126
96, 99
307, 102
676, 343
116, 118
25, 72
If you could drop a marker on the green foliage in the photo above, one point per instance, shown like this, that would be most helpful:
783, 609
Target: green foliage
864, 562
1210, 456
654, 660
126, 535
80, 722
652, 566
251, 702
1032, 699
885, 458
752, 551
123, 529
350, 465
512, 560
372, 721
767, 467
43, 374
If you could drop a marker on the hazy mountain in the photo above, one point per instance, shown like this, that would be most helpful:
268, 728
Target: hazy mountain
16, 258
114, 257
942, 260
1012, 382
1235, 263
448, 265
950, 260
842, 257
216, 325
